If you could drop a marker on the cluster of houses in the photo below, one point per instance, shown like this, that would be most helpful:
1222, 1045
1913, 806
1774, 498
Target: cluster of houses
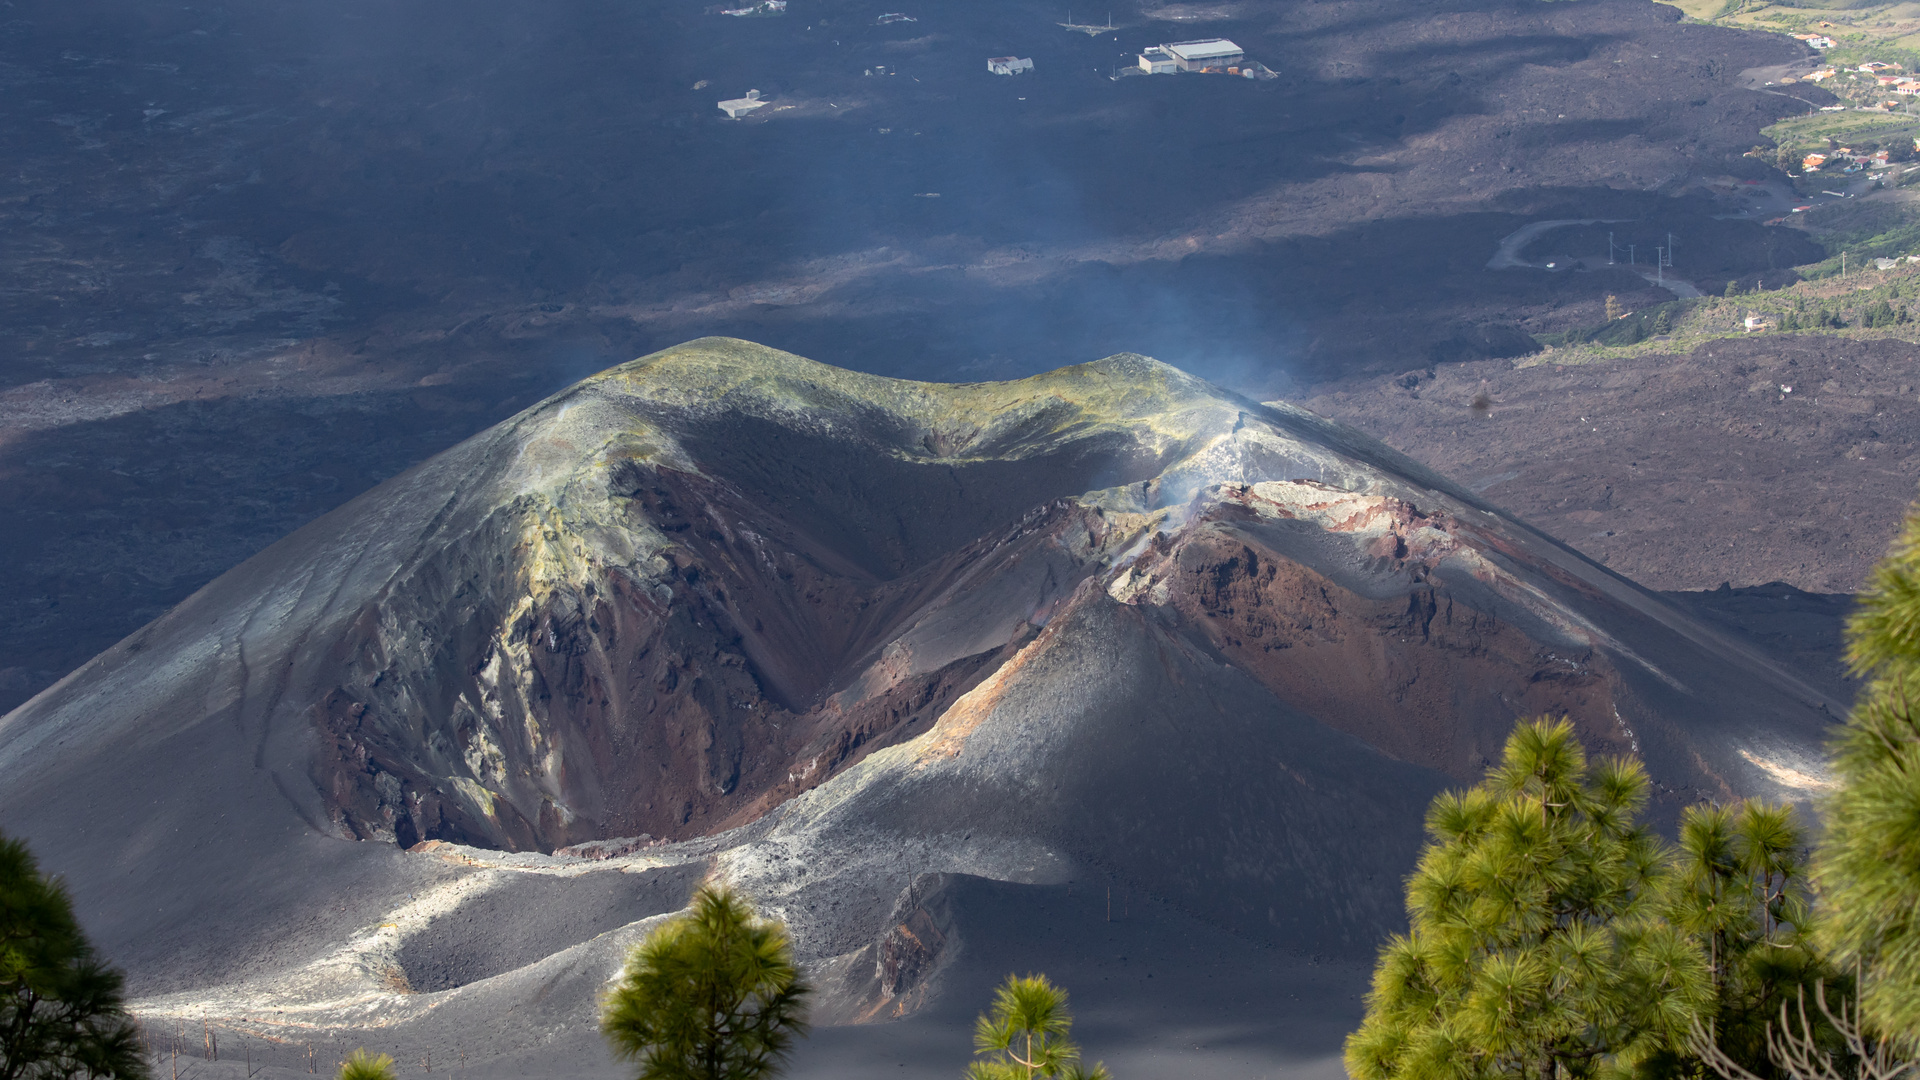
1847, 161
1818, 41
1887, 75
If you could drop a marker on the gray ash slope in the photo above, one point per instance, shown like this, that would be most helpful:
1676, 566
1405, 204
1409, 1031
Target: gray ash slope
417, 775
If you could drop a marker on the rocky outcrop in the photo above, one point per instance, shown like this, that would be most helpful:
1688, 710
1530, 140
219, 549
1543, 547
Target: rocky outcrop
1426, 671
743, 664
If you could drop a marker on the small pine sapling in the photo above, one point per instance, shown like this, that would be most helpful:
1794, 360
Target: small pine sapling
712, 995
1739, 891
1026, 1034
365, 1066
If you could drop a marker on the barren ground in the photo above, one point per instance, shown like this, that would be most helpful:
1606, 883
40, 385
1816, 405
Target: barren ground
1681, 472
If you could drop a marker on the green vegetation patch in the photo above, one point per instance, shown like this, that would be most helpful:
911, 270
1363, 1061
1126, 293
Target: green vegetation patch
1629, 329
1849, 128
1556, 937
1865, 303
1862, 232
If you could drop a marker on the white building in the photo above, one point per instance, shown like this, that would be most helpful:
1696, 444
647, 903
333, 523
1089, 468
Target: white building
1008, 65
1201, 55
741, 106
1158, 61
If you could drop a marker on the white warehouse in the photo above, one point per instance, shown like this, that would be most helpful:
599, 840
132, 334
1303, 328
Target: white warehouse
741, 106
1008, 65
1158, 61
1215, 53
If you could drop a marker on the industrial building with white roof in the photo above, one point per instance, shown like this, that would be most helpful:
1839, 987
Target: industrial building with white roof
1208, 54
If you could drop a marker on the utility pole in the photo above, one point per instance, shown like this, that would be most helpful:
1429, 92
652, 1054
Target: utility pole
1669, 249
1843, 264
1659, 266
1630, 258
1609, 247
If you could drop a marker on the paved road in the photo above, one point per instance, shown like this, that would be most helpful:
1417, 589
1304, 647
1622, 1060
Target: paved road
1682, 289
1508, 255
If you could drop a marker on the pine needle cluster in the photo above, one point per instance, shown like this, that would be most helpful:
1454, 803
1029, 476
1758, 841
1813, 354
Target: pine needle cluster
712, 995
1537, 949
365, 1066
1027, 1034
60, 1009
1868, 866
1739, 891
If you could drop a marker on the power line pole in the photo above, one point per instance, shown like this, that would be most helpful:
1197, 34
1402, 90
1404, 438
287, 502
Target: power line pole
1659, 267
1630, 256
1609, 247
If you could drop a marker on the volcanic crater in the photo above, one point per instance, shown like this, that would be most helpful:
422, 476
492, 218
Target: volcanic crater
897, 659
731, 603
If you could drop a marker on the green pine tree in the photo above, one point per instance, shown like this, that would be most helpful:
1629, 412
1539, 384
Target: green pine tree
1662, 322
61, 1016
713, 995
1536, 951
1027, 1034
1867, 867
1739, 891
364, 1066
